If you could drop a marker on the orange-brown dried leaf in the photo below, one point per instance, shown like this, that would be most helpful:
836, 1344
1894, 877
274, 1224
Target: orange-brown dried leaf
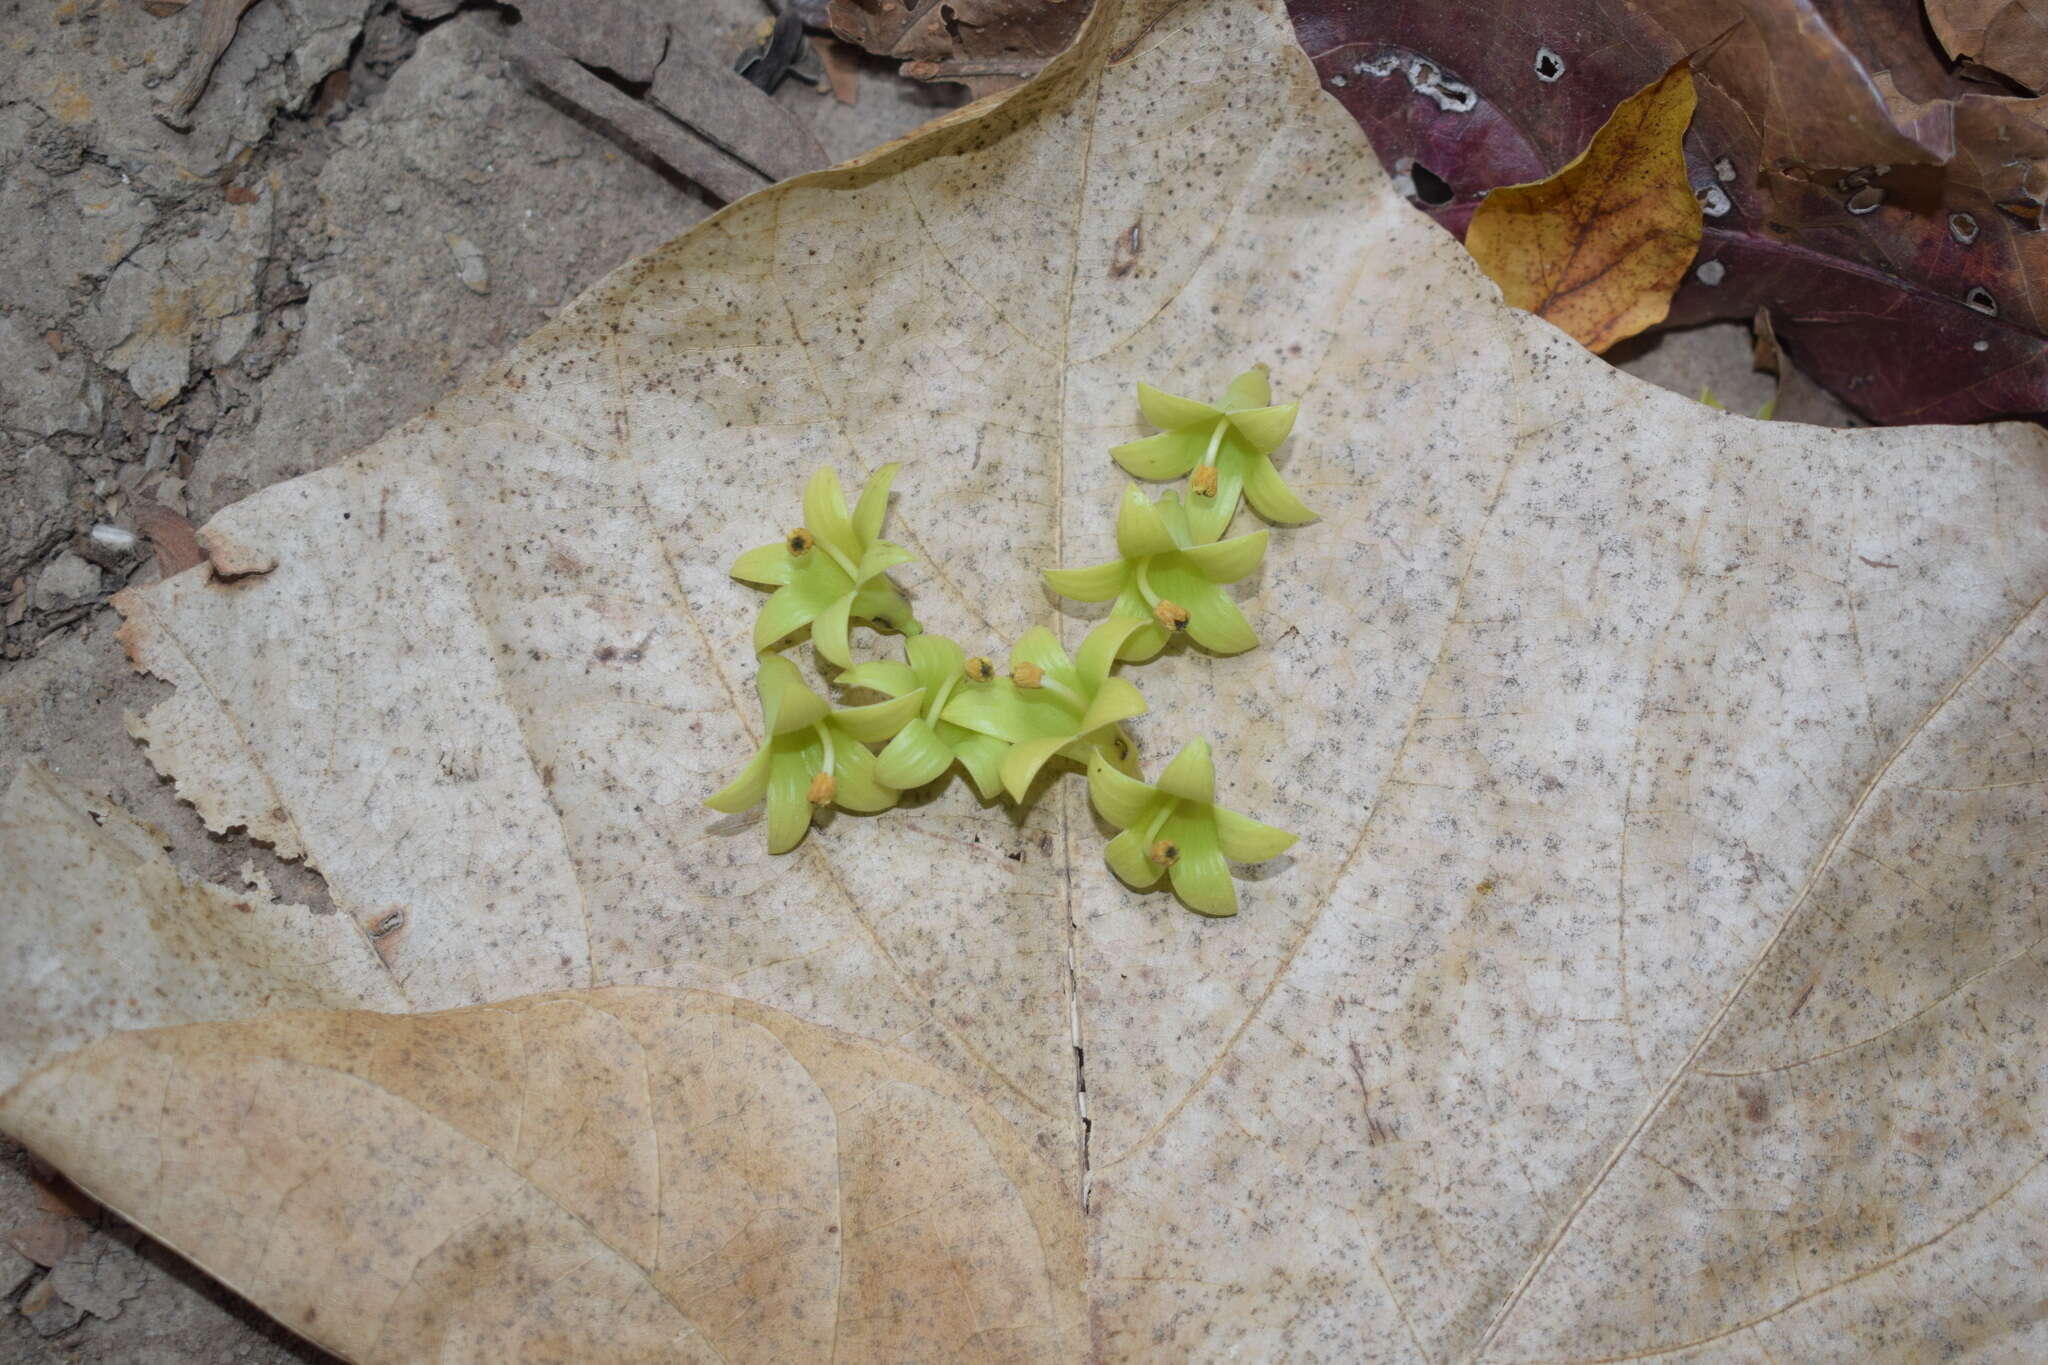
1599, 247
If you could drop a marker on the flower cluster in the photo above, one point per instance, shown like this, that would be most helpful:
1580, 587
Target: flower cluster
944, 709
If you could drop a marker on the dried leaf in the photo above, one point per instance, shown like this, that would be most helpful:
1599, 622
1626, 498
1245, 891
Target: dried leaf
170, 535
1667, 910
985, 44
2008, 36
841, 63
218, 20
619, 1175
1598, 247
55, 1194
1879, 206
48, 1238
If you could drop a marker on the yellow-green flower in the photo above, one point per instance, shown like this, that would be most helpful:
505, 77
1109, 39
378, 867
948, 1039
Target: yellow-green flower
830, 570
1054, 705
928, 744
1227, 446
1167, 580
814, 755
1176, 828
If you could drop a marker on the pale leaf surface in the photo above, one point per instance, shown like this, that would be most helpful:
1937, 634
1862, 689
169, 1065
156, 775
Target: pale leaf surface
1666, 911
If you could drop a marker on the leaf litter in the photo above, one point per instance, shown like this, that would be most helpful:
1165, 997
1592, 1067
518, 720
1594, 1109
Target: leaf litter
1666, 908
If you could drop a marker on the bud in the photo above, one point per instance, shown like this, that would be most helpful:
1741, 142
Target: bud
1171, 616
1027, 675
1203, 480
799, 542
980, 668
1165, 853
823, 788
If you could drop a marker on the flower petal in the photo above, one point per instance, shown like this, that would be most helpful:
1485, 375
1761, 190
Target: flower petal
981, 755
860, 789
1124, 801
1270, 496
1210, 515
916, 756
886, 676
1096, 583
1167, 455
1168, 410
1098, 651
1226, 561
1265, 428
1126, 857
1116, 701
1246, 840
935, 660
880, 557
828, 633
787, 704
769, 564
997, 708
1202, 880
789, 805
825, 513
1252, 389
746, 789
1214, 622
1140, 530
873, 724
1192, 774
874, 504
1022, 763
879, 604
1041, 647
784, 613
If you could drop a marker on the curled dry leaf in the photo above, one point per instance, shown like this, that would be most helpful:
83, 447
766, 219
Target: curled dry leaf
1886, 211
2008, 36
986, 45
1598, 247
1667, 908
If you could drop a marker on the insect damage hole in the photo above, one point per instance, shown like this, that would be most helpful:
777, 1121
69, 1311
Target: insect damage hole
1981, 299
1714, 201
1711, 273
1549, 66
1962, 227
1422, 184
1452, 96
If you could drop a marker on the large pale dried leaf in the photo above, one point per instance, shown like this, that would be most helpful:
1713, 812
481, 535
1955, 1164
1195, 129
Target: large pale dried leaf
1598, 247
621, 1175
1667, 909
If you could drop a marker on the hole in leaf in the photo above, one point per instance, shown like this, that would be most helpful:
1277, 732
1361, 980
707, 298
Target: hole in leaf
1549, 66
1962, 227
1430, 187
1980, 299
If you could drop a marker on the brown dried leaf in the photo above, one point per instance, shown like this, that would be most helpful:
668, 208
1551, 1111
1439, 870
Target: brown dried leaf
972, 41
2008, 36
1667, 913
1598, 248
